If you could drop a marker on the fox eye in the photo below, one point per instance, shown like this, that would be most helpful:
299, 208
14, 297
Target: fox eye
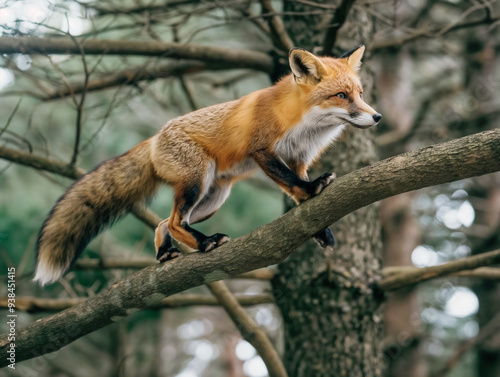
341, 95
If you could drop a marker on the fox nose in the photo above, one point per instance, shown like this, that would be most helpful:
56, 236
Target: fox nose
377, 117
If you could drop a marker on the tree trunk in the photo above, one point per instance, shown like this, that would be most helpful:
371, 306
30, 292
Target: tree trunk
401, 317
487, 198
331, 312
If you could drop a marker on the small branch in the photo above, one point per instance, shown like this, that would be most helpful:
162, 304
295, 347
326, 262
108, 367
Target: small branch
139, 8
451, 161
79, 107
189, 93
487, 273
249, 330
135, 75
337, 22
216, 55
37, 305
487, 331
277, 26
411, 275
41, 163
398, 42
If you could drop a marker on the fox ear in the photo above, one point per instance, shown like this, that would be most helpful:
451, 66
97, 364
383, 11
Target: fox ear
354, 57
306, 67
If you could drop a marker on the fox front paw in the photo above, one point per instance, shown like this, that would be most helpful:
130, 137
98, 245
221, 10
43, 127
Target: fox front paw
320, 183
325, 238
213, 241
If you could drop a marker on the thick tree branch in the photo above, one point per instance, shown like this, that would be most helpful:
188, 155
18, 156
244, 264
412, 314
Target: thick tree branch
415, 275
215, 55
457, 159
36, 304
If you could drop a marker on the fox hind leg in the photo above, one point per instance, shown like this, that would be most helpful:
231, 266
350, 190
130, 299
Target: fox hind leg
195, 202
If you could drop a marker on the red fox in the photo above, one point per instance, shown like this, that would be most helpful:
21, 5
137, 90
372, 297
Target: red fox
281, 129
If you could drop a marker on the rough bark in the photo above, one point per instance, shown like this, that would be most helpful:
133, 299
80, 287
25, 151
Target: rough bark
458, 159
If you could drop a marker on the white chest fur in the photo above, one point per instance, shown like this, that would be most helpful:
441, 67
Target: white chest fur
317, 129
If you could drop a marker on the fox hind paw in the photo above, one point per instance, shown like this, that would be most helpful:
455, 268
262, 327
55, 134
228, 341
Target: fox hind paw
164, 254
213, 241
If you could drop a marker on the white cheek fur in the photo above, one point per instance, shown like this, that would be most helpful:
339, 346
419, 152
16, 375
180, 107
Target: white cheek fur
317, 129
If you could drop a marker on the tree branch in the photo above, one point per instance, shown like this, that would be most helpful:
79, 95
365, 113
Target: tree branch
37, 305
135, 75
491, 328
216, 55
277, 26
398, 42
489, 273
457, 159
249, 330
412, 275
57, 167
338, 20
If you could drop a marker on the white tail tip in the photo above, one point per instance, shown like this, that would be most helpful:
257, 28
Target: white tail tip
46, 274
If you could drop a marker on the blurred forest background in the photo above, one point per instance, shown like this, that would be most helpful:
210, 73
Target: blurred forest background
431, 69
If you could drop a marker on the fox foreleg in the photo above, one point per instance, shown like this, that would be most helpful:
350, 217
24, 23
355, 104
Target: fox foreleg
299, 169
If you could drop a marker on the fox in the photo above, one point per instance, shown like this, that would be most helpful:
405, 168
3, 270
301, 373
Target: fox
282, 129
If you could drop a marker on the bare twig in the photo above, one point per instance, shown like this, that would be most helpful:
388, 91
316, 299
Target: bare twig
37, 305
11, 116
337, 22
398, 42
277, 27
409, 275
79, 108
488, 273
134, 75
491, 328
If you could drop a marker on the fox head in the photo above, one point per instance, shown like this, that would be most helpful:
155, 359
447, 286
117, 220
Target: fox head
333, 87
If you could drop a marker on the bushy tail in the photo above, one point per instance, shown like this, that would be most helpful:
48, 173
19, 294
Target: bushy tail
94, 201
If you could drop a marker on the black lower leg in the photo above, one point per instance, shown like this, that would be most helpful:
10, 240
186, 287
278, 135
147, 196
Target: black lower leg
167, 250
